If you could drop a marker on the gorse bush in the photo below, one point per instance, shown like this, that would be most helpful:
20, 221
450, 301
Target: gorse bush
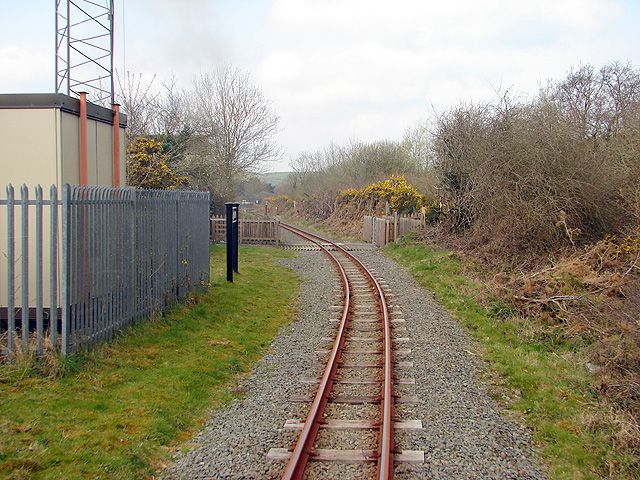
625, 246
147, 166
560, 168
402, 197
322, 176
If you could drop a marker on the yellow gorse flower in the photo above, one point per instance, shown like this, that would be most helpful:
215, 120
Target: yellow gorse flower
629, 245
402, 196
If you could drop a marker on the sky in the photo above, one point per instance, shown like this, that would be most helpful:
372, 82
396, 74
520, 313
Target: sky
338, 70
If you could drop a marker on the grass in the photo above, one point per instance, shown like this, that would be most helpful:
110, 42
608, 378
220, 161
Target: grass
119, 410
546, 381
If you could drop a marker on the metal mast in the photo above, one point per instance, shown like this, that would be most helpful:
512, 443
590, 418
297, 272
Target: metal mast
84, 49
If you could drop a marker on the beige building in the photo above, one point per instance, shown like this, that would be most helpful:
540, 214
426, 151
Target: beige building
40, 141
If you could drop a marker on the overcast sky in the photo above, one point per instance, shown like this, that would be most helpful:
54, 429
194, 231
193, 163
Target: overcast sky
341, 69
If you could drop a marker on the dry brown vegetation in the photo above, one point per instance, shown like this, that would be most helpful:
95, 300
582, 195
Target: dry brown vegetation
545, 192
543, 195
592, 296
559, 169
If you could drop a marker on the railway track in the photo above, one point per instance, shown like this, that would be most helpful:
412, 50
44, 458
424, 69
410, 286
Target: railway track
362, 344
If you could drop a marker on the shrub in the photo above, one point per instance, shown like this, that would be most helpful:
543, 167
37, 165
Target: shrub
147, 166
559, 169
402, 197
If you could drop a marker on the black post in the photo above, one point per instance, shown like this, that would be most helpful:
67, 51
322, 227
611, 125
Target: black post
229, 206
232, 239
236, 237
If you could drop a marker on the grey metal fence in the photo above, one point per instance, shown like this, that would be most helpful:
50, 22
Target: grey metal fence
112, 256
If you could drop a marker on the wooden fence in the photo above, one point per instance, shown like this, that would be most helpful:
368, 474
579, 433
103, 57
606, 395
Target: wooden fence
383, 230
263, 231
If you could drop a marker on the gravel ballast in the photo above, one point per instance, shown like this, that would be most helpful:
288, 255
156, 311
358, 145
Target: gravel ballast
465, 436
235, 441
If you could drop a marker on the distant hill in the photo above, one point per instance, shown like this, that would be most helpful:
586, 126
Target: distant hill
274, 178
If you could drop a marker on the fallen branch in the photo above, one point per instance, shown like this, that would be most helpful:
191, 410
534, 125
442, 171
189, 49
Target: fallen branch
556, 298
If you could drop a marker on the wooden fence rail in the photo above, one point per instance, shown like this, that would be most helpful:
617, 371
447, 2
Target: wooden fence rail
262, 231
383, 230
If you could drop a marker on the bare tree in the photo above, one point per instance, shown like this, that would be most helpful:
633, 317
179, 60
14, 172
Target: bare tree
235, 126
596, 101
172, 112
415, 143
139, 101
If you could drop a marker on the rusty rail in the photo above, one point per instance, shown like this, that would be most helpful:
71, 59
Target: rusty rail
303, 449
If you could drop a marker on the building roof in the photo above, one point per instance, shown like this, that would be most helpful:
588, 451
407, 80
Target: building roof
58, 100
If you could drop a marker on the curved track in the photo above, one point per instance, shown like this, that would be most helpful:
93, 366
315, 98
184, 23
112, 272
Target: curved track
304, 448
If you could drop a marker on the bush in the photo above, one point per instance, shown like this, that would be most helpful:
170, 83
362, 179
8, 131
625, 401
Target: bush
559, 169
402, 197
147, 166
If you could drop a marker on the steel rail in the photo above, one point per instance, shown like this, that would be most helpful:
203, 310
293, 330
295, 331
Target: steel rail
304, 446
386, 447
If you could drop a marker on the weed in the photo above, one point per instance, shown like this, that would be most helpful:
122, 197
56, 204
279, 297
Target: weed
553, 390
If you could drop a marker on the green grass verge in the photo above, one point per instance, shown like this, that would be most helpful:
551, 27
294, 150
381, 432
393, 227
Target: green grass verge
549, 386
123, 406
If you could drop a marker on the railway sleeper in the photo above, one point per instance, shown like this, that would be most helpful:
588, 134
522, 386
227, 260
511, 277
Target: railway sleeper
359, 381
348, 456
355, 399
297, 424
343, 364
368, 339
397, 351
356, 321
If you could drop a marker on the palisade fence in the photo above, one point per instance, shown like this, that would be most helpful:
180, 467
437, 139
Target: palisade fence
79, 266
389, 228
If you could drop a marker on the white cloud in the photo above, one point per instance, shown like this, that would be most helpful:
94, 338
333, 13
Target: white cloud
341, 69
337, 69
20, 76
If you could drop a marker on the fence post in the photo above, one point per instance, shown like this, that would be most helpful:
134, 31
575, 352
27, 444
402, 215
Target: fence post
373, 229
11, 257
39, 270
385, 240
53, 267
395, 227
24, 273
64, 271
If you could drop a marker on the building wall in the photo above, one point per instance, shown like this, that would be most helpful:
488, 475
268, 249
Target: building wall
29, 151
99, 152
42, 146
70, 151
